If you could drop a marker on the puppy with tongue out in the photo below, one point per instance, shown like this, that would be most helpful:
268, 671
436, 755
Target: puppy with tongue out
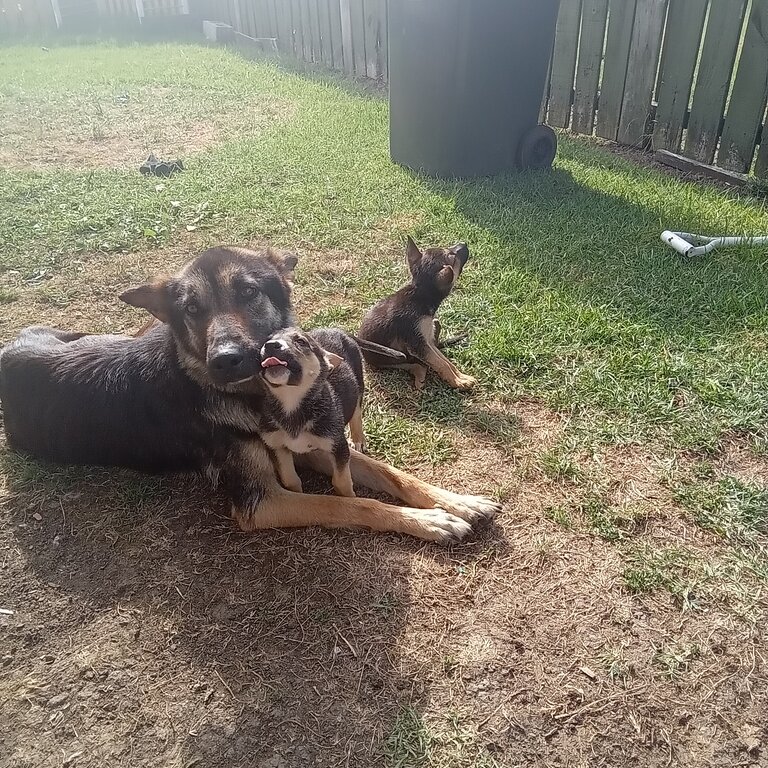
315, 385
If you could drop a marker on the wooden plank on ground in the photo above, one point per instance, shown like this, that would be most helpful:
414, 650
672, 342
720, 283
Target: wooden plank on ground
682, 40
346, 35
594, 14
373, 18
641, 71
750, 91
621, 17
721, 39
687, 165
357, 26
564, 63
334, 8
324, 12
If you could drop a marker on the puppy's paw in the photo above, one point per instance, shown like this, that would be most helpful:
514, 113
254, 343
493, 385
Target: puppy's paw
465, 382
294, 485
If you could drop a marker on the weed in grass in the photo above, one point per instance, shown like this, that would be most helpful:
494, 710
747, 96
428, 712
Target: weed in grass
8, 296
616, 665
559, 515
675, 659
408, 745
727, 506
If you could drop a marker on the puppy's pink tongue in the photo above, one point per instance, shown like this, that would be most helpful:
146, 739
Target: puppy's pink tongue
271, 362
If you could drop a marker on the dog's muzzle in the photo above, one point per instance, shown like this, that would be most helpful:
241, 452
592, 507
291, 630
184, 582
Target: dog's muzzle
231, 363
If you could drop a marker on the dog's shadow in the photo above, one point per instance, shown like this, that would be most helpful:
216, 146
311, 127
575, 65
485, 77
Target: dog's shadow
173, 633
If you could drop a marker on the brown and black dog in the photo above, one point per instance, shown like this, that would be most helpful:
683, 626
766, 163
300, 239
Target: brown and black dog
186, 396
406, 322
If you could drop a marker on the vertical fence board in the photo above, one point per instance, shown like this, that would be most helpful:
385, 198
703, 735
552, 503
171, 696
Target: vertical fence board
594, 14
621, 18
750, 90
385, 40
325, 31
306, 31
373, 37
357, 18
298, 30
346, 35
314, 20
564, 63
721, 40
641, 69
284, 28
685, 23
334, 9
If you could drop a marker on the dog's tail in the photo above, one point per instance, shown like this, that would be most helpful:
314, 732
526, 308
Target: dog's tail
380, 349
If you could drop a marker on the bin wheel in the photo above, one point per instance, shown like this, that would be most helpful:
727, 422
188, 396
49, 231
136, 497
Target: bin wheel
538, 148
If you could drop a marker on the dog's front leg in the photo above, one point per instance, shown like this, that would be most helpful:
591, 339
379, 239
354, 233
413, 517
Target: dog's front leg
382, 477
286, 470
445, 369
259, 501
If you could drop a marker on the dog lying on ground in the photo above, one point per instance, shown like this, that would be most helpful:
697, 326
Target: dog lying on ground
406, 322
315, 383
187, 395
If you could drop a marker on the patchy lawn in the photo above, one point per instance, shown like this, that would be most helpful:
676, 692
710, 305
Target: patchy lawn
613, 616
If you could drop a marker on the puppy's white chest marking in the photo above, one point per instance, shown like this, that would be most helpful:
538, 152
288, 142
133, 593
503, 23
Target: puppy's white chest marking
304, 442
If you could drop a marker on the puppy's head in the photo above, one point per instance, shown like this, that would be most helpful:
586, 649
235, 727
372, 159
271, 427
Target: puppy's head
221, 308
292, 358
437, 268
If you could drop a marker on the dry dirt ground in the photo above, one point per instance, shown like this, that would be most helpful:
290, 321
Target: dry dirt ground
140, 629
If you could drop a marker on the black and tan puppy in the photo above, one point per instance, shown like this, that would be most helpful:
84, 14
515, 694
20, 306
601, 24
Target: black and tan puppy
315, 388
406, 321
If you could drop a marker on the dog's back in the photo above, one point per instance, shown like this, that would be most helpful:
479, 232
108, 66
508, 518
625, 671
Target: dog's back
108, 400
346, 379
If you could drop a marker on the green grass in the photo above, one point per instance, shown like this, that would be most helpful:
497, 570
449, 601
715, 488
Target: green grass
570, 296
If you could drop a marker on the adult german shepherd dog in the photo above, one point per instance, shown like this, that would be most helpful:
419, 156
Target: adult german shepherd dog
186, 395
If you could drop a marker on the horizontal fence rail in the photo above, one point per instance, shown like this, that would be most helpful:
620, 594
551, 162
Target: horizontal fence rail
686, 76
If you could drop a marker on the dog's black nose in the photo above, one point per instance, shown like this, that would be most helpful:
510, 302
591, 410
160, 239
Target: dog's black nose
225, 362
273, 345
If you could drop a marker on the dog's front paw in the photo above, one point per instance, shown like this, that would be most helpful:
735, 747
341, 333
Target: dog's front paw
473, 509
465, 382
437, 525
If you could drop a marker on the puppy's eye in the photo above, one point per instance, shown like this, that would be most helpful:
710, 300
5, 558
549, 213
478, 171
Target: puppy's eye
192, 308
247, 292
301, 342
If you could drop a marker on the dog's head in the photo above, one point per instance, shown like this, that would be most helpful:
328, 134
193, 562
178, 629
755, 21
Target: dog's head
292, 358
437, 269
221, 308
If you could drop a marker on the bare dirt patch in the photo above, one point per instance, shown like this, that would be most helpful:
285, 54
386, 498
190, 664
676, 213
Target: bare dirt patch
118, 130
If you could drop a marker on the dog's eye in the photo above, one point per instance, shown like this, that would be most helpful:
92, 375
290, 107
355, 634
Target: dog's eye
301, 342
192, 308
247, 291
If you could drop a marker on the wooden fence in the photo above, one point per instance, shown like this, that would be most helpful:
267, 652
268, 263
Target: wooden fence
688, 76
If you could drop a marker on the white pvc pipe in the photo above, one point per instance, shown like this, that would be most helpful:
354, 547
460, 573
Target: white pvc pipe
688, 244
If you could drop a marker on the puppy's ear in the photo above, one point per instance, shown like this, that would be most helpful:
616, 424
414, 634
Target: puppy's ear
461, 252
444, 279
289, 261
154, 297
333, 360
412, 253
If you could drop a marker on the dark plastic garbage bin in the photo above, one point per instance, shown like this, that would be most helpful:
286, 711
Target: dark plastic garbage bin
466, 80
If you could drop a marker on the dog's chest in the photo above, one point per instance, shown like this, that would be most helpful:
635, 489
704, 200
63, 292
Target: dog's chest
303, 442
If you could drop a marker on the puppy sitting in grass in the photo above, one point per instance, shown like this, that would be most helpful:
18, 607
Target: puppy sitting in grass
315, 383
406, 320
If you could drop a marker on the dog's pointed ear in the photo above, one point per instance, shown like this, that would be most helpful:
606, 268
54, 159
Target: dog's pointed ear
412, 253
154, 297
287, 262
333, 360
461, 251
